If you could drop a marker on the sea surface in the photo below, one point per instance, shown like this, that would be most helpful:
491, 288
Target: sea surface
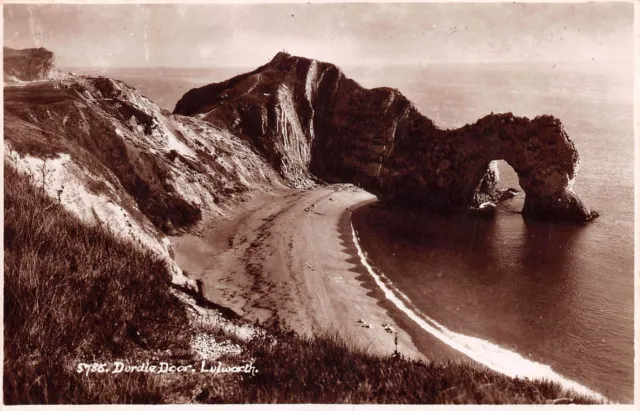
528, 299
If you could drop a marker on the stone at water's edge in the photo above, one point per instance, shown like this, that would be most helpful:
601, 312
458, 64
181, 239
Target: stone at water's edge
565, 207
307, 119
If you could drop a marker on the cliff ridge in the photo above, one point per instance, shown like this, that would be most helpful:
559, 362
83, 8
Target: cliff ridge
33, 64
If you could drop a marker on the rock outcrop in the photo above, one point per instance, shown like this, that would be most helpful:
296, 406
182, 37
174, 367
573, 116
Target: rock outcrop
28, 64
310, 121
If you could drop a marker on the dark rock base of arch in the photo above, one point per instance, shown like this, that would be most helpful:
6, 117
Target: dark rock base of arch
566, 207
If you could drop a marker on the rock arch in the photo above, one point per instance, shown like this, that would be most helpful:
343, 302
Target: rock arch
538, 150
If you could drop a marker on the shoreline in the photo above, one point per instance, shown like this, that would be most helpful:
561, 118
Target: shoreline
430, 347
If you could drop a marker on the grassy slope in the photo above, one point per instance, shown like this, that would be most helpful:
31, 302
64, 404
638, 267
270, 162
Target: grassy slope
73, 293
326, 369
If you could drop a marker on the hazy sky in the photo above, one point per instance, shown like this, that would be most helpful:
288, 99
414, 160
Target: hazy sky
249, 35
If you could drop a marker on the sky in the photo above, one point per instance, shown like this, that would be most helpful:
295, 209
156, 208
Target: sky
245, 35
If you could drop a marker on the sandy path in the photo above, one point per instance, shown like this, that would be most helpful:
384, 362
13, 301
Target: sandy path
289, 255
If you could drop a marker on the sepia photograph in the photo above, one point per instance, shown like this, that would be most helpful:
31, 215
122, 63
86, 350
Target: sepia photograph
318, 203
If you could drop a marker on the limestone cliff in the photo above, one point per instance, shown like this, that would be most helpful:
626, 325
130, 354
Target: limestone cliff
310, 121
28, 64
114, 158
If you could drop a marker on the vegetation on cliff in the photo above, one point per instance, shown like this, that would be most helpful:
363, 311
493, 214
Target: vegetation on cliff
73, 293
111, 156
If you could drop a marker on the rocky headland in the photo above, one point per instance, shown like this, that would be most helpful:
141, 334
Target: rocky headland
113, 157
29, 65
309, 120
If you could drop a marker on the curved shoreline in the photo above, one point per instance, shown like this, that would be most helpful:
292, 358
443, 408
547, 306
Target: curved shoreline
488, 354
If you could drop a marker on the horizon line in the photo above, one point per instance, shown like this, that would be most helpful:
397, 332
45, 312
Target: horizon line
364, 63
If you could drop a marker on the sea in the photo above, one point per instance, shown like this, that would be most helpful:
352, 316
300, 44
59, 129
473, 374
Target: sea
533, 300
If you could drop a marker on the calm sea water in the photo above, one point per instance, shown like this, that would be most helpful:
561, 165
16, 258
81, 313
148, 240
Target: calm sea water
555, 295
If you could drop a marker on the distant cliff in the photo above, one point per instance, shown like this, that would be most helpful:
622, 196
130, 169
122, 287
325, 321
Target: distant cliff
310, 121
28, 64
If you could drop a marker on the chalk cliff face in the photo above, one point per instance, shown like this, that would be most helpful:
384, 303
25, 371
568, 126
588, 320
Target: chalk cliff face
310, 121
28, 64
114, 158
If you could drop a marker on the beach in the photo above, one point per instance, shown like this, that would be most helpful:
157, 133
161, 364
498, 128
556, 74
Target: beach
289, 254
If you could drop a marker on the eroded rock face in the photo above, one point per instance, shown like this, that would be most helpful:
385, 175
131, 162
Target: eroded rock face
271, 107
309, 120
114, 158
28, 64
